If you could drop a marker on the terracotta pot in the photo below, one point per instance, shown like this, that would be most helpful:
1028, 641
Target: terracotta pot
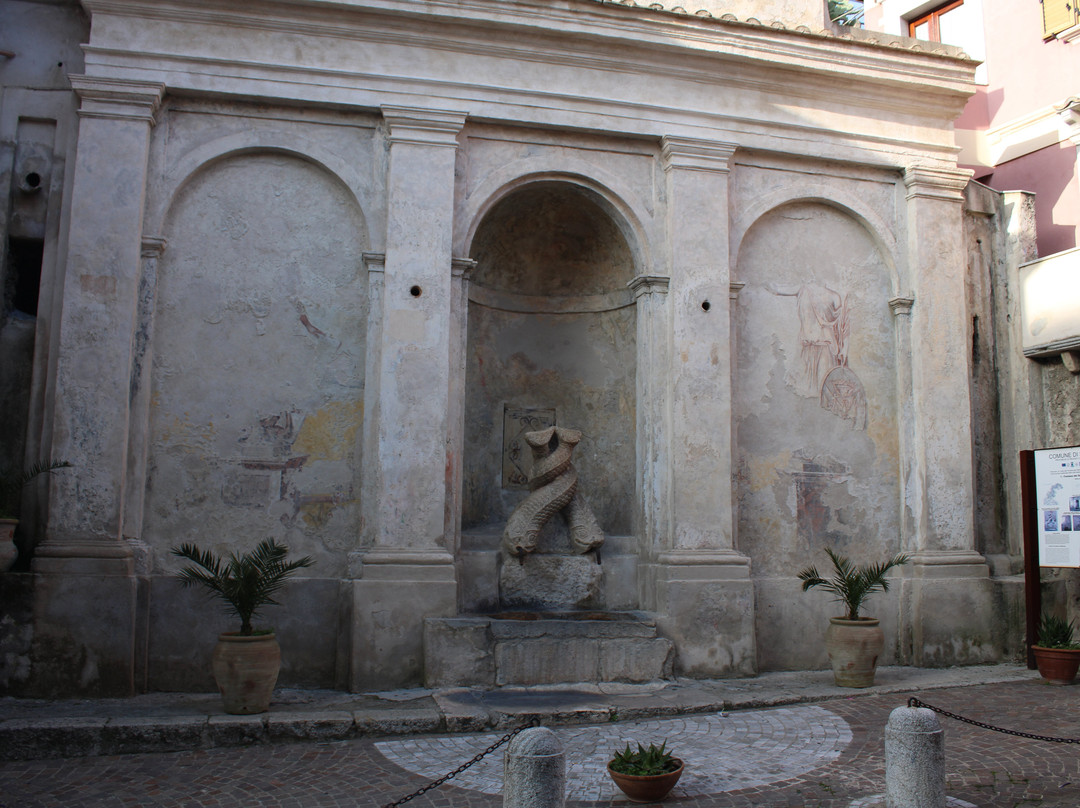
8, 551
246, 670
854, 647
1057, 666
648, 788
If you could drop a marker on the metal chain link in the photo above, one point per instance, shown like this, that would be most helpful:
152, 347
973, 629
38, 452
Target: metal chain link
914, 702
436, 783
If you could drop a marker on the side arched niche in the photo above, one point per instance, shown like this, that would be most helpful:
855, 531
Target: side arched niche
551, 339
816, 418
257, 397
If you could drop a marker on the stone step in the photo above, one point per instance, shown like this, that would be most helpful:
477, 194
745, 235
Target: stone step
522, 648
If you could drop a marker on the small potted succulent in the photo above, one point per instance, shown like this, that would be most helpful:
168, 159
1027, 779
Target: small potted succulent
645, 774
853, 642
1056, 655
246, 663
11, 486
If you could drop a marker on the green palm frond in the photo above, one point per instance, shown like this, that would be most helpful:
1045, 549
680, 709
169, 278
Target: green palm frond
12, 485
246, 582
851, 584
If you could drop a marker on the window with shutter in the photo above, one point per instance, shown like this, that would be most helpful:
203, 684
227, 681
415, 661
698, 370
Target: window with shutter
1058, 15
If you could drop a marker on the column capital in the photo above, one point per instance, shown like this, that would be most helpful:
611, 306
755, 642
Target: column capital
649, 285
694, 154
462, 267
153, 246
901, 305
374, 262
734, 288
936, 183
118, 99
427, 127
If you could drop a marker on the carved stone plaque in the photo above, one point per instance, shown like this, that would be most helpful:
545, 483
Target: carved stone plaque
517, 457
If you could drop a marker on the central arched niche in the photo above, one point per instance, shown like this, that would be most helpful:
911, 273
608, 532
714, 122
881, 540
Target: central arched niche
551, 337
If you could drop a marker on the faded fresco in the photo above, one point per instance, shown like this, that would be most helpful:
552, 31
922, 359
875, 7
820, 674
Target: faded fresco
551, 341
258, 371
815, 407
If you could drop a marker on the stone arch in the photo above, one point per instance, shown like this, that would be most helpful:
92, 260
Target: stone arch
876, 227
259, 353
551, 338
201, 158
610, 191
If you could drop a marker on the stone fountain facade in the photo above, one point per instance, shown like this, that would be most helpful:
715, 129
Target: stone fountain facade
329, 272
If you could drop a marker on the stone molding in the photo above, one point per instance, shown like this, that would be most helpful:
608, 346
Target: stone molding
949, 564
694, 154
545, 304
649, 285
901, 305
118, 99
423, 127
925, 182
739, 563
734, 288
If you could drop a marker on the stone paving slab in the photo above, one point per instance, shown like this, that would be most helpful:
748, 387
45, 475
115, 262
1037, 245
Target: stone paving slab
32, 728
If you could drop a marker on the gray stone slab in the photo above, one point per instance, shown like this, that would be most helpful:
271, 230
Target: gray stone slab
402, 721
546, 661
128, 735
463, 710
556, 628
310, 726
236, 730
50, 737
636, 660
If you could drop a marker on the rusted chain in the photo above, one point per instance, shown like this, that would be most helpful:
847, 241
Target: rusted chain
436, 783
914, 702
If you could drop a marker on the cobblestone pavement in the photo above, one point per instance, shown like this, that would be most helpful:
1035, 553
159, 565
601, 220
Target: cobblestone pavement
820, 756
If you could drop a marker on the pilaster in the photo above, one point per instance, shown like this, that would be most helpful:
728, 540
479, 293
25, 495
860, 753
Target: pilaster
701, 583
407, 571
949, 594
84, 559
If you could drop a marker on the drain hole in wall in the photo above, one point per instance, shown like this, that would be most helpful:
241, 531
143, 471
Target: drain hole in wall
415, 291
705, 305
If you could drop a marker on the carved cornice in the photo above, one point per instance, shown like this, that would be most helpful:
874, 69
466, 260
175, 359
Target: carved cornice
695, 155
901, 305
936, 183
426, 127
648, 285
734, 288
118, 99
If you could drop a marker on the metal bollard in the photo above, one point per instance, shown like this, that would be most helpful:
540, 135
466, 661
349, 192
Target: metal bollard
914, 759
534, 771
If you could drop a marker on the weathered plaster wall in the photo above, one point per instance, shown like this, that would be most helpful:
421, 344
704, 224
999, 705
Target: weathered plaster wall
815, 412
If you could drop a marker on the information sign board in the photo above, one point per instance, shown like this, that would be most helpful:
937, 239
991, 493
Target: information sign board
1057, 499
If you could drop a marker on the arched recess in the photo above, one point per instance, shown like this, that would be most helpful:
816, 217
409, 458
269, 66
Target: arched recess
816, 412
877, 229
551, 338
259, 348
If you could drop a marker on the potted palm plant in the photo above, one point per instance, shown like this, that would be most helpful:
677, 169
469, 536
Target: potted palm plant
245, 662
853, 642
11, 486
645, 774
1056, 655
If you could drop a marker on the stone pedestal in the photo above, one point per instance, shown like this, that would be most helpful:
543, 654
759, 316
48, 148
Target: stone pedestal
551, 582
952, 610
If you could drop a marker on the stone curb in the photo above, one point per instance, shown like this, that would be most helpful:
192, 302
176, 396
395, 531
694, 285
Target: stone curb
53, 735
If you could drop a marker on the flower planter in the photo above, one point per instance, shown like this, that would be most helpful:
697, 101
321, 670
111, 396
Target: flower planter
1057, 666
854, 647
647, 788
246, 670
